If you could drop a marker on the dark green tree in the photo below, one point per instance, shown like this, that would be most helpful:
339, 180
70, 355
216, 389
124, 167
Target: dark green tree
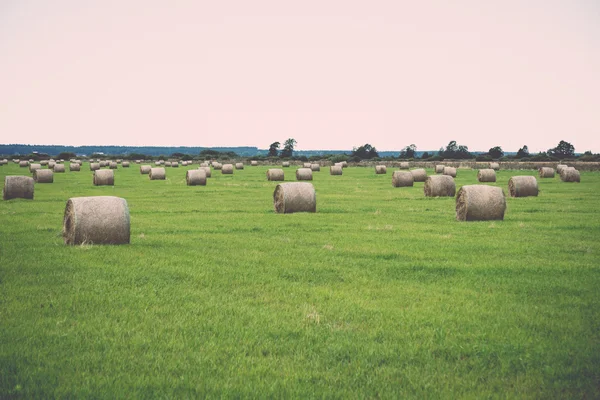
66, 155
523, 152
365, 152
273, 149
425, 155
496, 152
563, 150
408, 152
288, 147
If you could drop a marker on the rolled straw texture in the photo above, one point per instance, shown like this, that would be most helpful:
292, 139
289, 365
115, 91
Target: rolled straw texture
217, 165
125, 164
486, 175
570, 174
23, 164
285, 164
546, 172
195, 177
402, 179
157, 174
451, 171
239, 165
174, 164
404, 165
380, 169
480, 203
207, 171
74, 167
294, 197
523, 186
439, 186
96, 220
315, 167
495, 166
167, 163
113, 165
304, 174
560, 167
306, 165
145, 169
104, 177
253, 163
204, 164
18, 187
344, 164
275, 174
227, 169
94, 166
33, 167
439, 169
419, 175
43, 176
59, 168
335, 170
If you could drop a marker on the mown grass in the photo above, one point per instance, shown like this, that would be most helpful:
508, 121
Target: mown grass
381, 293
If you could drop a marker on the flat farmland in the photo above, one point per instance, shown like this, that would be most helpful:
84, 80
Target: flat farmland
380, 293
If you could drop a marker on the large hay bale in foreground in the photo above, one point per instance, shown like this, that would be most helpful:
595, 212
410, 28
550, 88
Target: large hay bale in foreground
546, 172
285, 164
239, 165
495, 166
96, 220
570, 174
480, 203
486, 175
450, 171
195, 177
315, 167
335, 170
402, 179
439, 169
419, 175
275, 174
560, 167
43, 176
439, 186
104, 177
523, 186
18, 187
157, 174
404, 165
304, 174
227, 169
60, 168
207, 171
94, 166
33, 167
295, 197
380, 169
74, 167
145, 169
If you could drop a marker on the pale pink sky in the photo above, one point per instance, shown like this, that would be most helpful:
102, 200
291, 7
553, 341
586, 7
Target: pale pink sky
332, 74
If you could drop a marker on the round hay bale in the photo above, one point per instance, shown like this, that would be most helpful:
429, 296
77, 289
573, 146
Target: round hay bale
335, 170
94, 166
227, 169
217, 166
304, 174
253, 163
138, 161
24, 164
125, 164
43, 163
294, 197
380, 169
546, 172
102, 164
174, 164
480, 203
486, 175
239, 165
96, 220
59, 168
113, 165
119, 161
523, 186
404, 165
315, 167
104, 177
285, 164
195, 177
402, 179
207, 171
43, 176
419, 175
18, 187
450, 171
439, 186
157, 174
306, 165
74, 167
344, 164
145, 169
570, 174
167, 163
439, 169
560, 167
33, 167
51, 164
157, 163
275, 174
204, 164
495, 166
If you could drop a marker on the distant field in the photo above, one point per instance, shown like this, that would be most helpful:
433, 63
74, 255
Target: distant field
381, 293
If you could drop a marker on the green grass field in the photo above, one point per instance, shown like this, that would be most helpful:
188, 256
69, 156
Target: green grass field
381, 293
